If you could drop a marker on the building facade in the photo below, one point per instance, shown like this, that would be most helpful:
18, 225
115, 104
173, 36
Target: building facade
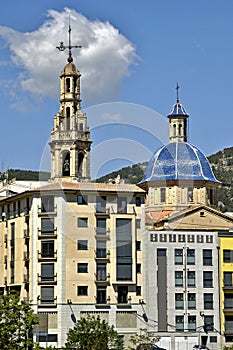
73, 247
182, 243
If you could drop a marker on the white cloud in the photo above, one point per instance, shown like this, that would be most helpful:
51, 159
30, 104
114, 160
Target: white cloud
104, 59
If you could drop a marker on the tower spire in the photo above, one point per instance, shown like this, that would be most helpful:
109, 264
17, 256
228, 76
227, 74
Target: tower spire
63, 47
177, 92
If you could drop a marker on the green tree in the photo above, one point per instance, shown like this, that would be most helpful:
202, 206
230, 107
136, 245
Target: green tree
91, 333
143, 339
16, 322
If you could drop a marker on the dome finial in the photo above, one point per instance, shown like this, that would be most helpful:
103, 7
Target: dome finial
177, 92
62, 47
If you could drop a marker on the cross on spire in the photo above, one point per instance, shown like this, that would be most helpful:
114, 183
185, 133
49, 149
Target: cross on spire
177, 92
63, 47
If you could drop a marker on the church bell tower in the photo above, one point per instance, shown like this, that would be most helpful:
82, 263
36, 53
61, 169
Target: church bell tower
70, 137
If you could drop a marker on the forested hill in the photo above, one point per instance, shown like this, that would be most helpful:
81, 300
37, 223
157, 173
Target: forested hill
221, 162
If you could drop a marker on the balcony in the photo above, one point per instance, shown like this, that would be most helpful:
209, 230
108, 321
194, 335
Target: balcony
26, 278
102, 278
48, 280
102, 254
45, 256
49, 211
26, 234
47, 234
228, 286
25, 256
102, 211
48, 302
102, 233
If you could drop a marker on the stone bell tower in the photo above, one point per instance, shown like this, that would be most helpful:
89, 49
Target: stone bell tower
70, 137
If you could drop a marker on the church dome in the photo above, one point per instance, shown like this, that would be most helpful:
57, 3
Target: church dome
178, 161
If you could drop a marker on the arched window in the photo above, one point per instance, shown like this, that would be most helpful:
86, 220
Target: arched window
180, 130
80, 164
67, 84
68, 118
66, 164
174, 129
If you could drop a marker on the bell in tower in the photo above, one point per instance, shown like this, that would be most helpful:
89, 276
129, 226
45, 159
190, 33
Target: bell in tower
70, 138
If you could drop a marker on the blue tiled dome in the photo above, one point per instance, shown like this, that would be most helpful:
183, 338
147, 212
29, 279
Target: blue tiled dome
178, 161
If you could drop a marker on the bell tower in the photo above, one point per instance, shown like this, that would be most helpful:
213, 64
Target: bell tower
178, 120
70, 137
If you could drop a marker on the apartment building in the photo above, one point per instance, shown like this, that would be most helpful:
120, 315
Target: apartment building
72, 247
183, 287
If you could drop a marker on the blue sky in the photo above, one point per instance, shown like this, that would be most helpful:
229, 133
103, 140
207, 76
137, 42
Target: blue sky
133, 53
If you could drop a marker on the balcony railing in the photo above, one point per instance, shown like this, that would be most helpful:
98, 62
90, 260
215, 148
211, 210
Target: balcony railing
102, 278
48, 302
42, 211
47, 279
102, 254
47, 256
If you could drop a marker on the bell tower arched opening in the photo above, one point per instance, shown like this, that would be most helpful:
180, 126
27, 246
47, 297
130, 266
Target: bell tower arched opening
80, 164
66, 164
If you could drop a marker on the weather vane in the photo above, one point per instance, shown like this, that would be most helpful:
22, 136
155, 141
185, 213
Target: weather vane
177, 92
63, 47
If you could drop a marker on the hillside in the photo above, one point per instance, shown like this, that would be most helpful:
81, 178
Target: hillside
221, 163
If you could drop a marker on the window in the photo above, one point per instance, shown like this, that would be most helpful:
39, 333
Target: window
138, 245
47, 272
122, 295
82, 200
101, 226
181, 238
190, 238
47, 295
101, 249
200, 239
227, 278
178, 256
179, 301
82, 245
138, 223
190, 194
138, 268
124, 249
82, 290
172, 238
82, 222
153, 237
179, 323
101, 295
191, 301
101, 204
191, 256
208, 301
163, 195
138, 290
122, 205
179, 278
209, 323
207, 257
47, 204
138, 201
207, 279
47, 249
101, 272
227, 256
45, 337
191, 278
228, 301
82, 267
47, 226
191, 323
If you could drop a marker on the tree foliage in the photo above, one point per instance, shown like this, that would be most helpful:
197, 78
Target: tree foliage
91, 333
16, 322
141, 341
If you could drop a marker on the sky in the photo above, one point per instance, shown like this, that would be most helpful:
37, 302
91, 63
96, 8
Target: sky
132, 56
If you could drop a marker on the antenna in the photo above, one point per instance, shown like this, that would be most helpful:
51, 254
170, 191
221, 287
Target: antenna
63, 47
